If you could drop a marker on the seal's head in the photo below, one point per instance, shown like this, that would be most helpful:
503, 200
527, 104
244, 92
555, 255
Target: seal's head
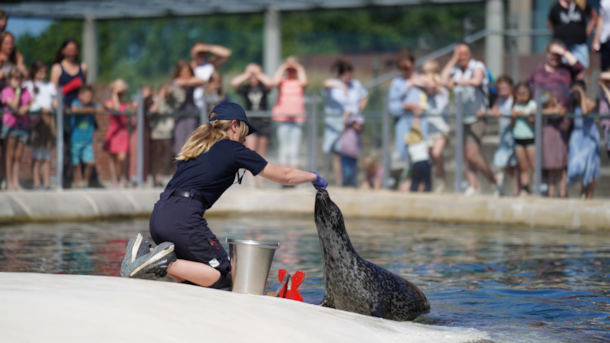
324, 206
329, 220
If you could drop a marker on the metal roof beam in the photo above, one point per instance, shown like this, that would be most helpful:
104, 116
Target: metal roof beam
116, 9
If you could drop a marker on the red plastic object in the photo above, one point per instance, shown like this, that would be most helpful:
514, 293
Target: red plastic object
290, 285
75, 83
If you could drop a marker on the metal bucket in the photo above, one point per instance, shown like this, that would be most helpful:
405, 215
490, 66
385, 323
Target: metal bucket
251, 263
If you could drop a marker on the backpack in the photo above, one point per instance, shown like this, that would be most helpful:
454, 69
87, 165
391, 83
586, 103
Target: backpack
490, 89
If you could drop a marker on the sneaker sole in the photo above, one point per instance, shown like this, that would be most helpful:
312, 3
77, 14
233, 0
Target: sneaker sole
155, 258
136, 247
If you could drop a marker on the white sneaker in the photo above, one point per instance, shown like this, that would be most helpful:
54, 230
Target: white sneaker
500, 179
498, 191
440, 186
470, 191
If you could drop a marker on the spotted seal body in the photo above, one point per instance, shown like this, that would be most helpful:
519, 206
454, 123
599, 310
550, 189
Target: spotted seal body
354, 284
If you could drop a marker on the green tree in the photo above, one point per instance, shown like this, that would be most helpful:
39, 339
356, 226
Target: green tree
145, 50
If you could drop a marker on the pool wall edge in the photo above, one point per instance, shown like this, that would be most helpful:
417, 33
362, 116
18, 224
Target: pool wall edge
77, 205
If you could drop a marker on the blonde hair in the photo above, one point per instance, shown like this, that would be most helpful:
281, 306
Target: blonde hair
582, 4
202, 139
118, 83
15, 74
433, 64
370, 162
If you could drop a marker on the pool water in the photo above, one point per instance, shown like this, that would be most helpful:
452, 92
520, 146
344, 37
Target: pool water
517, 284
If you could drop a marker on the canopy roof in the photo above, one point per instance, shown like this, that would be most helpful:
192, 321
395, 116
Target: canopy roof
111, 9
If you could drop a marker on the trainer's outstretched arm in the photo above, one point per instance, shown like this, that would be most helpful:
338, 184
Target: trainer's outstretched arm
287, 176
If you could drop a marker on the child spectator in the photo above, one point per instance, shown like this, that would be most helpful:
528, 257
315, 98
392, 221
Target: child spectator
585, 146
117, 136
373, 173
438, 125
17, 100
81, 139
523, 133
421, 170
350, 147
505, 157
43, 134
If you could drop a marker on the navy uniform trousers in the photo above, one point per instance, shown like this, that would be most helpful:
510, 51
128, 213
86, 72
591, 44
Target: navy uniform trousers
180, 220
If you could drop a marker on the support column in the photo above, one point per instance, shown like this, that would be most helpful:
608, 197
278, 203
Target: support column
494, 43
521, 14
272, 41
385, 142
90, 48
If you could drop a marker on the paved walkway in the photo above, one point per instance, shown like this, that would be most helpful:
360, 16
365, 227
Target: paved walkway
448, 208
77, 308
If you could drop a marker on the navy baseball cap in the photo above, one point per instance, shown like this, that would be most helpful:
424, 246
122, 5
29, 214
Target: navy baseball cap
232, 111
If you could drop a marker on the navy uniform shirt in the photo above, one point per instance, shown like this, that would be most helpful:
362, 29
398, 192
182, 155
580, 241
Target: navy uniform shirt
211, 173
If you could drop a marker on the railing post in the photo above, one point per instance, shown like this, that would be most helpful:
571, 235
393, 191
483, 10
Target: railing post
140, 138
385, 142
313, 133
538, 143
459, 143
376, 99
203, 114
59, 132
515, 57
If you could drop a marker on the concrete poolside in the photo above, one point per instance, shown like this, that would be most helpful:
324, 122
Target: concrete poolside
77, 308
447, 208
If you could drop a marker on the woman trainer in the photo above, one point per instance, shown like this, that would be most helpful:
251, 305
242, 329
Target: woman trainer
208, 164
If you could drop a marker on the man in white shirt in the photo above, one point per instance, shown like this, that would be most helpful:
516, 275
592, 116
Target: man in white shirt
468, 79
203, 67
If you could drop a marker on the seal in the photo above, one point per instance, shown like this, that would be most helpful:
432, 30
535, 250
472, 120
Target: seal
354, 284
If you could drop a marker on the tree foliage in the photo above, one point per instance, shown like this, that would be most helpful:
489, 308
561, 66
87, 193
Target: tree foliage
145, 50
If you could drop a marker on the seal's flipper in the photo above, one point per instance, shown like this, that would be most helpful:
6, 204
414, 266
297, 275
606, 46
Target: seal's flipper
394, 307
326, 303
377, 309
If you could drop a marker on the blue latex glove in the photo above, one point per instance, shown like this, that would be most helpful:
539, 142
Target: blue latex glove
319, 183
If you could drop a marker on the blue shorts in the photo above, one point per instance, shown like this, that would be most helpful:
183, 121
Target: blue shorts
21, 134
42, 154
81, 152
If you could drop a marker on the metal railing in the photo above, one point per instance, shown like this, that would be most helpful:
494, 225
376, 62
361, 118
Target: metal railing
313, 118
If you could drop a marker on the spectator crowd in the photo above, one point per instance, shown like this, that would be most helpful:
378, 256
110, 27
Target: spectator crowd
419, 101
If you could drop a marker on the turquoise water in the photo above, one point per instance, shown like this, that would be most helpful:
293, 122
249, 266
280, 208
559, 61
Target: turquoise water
517, 284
